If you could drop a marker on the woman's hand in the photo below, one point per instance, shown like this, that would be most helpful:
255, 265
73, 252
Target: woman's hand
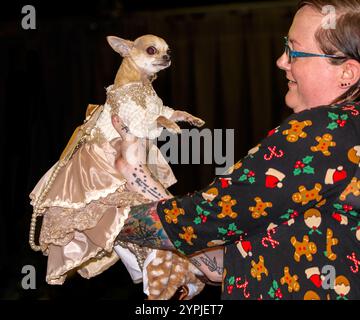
122, 129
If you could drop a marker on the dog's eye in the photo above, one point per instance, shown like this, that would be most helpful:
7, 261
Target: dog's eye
151, 50
168, 52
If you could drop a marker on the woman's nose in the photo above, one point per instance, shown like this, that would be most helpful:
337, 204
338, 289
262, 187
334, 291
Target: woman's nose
283, 62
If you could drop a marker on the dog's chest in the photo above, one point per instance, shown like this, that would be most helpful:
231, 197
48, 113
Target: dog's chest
140, 95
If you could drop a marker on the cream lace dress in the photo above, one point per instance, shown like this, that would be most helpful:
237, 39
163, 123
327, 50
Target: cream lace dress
84, 210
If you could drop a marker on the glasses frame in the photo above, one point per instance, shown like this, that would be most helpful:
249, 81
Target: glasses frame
291, 54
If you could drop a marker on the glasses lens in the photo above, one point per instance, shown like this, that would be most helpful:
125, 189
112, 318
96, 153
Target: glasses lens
288, 53
287, 49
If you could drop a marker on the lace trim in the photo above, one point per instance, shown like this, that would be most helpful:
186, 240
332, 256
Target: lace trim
90, 197
139, 252
59, 224
61, 272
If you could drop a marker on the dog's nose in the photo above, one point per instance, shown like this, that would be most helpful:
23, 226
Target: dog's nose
166, 57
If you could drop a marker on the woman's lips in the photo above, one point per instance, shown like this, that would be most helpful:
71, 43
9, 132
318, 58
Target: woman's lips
292, 83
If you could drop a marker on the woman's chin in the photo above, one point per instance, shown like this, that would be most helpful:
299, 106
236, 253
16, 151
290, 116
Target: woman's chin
293, 103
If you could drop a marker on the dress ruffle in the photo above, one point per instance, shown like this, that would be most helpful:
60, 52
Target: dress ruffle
83, 239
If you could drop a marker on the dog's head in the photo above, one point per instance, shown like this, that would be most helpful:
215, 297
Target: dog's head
150, 53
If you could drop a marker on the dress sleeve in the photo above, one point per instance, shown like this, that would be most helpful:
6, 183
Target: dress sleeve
167, 112
140, 121
294, 168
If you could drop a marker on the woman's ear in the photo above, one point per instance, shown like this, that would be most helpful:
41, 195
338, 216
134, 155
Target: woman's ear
350, 72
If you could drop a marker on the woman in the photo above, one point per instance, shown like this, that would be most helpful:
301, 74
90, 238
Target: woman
289, 221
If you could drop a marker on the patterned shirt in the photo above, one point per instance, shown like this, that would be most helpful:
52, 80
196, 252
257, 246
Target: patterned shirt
287, 213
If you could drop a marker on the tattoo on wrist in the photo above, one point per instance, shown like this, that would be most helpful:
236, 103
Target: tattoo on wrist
211, 264
143, 227
195, 262
140, 180
145, 188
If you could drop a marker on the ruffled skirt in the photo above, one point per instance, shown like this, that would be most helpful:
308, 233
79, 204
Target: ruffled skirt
84, 211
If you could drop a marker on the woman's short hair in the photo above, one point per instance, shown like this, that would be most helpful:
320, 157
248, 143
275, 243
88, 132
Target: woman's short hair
343, 38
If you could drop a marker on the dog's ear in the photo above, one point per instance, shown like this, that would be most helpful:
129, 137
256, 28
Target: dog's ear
121, 46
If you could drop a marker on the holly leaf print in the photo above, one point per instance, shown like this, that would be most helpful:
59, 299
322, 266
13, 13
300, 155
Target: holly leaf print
207, 203
246, 171
285, 216
307, 159
275, 285
251, 180
243, 177
232, 227
177, 243
309, 170
222, 230
332, 126
353, 213
297, 171
337, 206
206, 213
199, 210
344, 117
231, 280
271, 293
197, 220
333, 116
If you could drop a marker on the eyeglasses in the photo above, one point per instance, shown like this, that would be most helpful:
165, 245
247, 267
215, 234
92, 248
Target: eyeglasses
298, 54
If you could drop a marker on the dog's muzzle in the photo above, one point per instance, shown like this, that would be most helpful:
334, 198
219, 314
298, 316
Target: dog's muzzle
166, 57
163, 64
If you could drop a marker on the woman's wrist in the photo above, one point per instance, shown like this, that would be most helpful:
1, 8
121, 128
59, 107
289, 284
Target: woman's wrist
143, 227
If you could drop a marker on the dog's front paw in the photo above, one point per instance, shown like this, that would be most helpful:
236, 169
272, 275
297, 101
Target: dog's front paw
173, 128
197, 122
189, 118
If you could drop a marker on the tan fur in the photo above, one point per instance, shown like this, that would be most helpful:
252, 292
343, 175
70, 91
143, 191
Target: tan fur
172, 274
127, 73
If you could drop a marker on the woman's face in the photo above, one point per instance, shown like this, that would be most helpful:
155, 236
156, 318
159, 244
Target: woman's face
313, 81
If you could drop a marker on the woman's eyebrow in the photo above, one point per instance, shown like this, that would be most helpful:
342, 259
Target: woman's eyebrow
292, 40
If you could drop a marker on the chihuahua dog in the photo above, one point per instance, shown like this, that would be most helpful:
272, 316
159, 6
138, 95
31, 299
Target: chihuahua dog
142, 60
137, 112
